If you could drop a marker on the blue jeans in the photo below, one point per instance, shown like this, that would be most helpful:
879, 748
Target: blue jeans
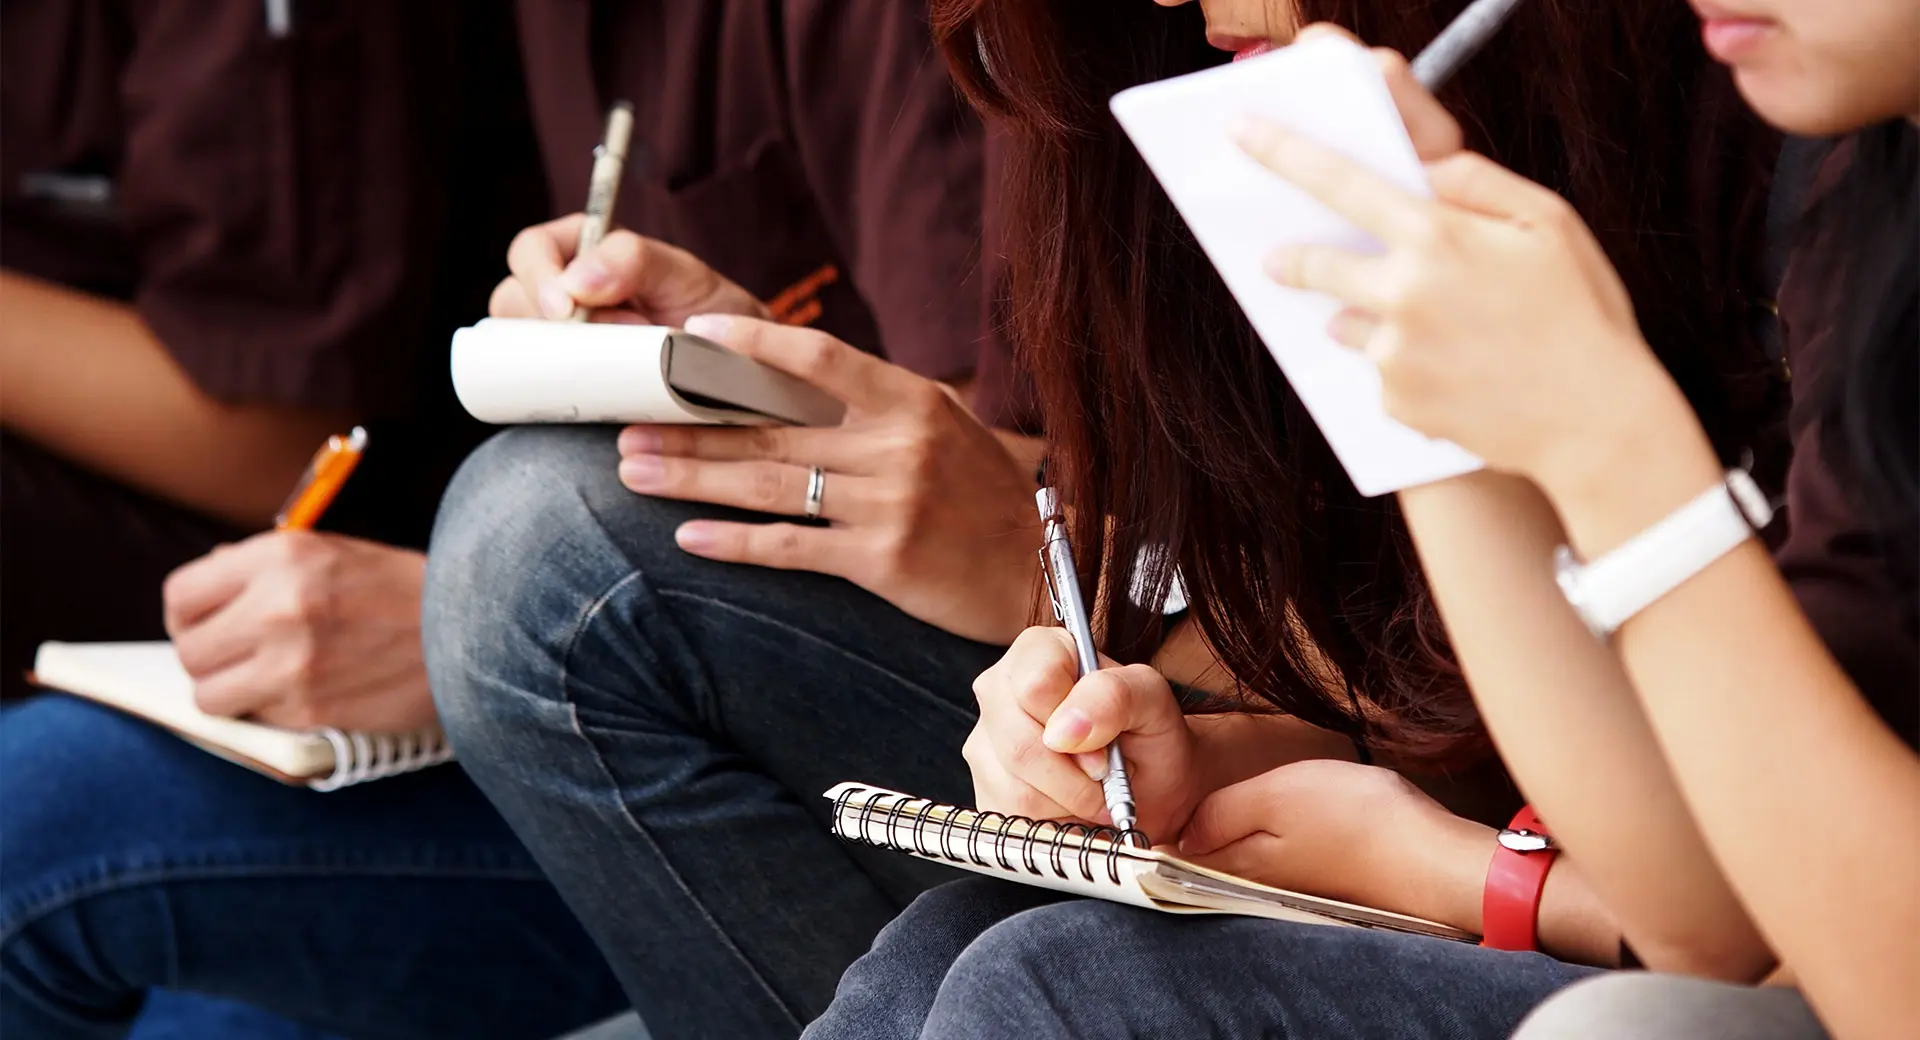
134, 862
659, 730
990, 960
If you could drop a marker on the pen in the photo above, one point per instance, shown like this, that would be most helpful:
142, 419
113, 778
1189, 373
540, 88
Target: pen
1063, 587
1460, 40
325, 476
609, 162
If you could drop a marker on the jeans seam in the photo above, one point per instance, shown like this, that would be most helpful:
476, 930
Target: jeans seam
64, 897
585, 621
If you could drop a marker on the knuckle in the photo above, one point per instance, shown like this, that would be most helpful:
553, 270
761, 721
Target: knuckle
766, 442
524, 245
1022, 754
767, 488
816, 355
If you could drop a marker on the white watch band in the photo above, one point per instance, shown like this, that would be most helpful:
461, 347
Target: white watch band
1634, 576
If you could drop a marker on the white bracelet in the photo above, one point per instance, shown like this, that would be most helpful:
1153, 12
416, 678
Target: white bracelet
1611, 590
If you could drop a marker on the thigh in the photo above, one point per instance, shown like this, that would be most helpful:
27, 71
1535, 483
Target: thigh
81, 557
1641, 1006
403, 908
1090, 968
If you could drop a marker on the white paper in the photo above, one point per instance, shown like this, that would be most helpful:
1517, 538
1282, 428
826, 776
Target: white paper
1330, 91
524, 371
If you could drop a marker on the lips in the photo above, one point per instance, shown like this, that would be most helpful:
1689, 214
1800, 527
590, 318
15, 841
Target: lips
1241, 47
1731, 39
1253, 51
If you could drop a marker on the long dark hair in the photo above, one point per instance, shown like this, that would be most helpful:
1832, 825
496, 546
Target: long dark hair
1171, 426
1866, 247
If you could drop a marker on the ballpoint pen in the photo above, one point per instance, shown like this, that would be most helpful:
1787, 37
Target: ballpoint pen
609, 164
325, 476
1063, 587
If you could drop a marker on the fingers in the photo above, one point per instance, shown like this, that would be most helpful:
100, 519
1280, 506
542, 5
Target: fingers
1477, 183
1350, 277
787, 547
1354, 328
830, 448
1435, 133
660, 280
764, 487
1134, 700
857, 379
1342, 185
1226, 816
198, 589
536, 257
219, 641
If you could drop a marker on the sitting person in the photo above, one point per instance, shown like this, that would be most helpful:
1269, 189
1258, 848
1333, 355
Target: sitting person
225, 239
658, 726
1724, 731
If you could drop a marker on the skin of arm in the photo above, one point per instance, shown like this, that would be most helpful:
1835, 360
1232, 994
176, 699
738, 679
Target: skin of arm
1806, 799
1567, 724
84, 377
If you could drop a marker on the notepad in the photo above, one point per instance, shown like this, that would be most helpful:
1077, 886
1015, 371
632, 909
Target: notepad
147, 681
511, 370
1331, 91
1086, 861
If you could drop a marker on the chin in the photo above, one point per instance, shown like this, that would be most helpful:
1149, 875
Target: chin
1790, 106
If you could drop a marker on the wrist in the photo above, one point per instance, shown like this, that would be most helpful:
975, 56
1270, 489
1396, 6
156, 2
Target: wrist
1630, 471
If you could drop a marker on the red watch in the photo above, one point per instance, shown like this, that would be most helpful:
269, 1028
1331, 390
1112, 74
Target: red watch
1510, 907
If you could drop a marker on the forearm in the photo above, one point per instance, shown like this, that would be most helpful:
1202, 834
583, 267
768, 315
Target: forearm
1805, 797
1569, 728
84, 377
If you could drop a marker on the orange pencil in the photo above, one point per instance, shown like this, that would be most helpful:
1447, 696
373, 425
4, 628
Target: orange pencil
325, 476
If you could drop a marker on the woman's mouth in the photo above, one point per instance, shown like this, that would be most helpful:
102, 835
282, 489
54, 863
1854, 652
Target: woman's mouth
1241, 47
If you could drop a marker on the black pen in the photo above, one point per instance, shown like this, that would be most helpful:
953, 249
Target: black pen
1063, 586
1460, 41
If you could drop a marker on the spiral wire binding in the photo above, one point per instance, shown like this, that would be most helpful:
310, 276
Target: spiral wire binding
360, 757
903, 822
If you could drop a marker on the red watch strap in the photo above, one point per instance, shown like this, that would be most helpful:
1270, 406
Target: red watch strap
1510, 906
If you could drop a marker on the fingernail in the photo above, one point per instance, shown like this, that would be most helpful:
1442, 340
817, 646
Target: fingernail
639, 440
642, 472
555, 303
710, 326
1092, 763
694, 537
1067, 729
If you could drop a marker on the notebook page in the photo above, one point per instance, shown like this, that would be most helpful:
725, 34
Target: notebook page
145, 679
1331, 91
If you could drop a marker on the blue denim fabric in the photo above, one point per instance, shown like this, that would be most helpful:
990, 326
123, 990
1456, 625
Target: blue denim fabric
990, 960
659, 729
131, 861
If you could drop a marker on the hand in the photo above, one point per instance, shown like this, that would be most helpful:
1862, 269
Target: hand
626, 279
1341, 830
926, 508
298, 629
1038, 749
1434, 131
1493, 315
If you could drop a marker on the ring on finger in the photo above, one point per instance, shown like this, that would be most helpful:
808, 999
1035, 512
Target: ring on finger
816, 492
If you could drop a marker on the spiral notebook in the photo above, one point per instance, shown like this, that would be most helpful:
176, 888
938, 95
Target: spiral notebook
145, 680
1086, 861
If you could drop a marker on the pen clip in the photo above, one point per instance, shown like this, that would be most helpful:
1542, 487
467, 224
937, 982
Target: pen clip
1053, 591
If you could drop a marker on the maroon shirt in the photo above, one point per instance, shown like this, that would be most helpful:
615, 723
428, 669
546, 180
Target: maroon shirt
814, 151
1831, 556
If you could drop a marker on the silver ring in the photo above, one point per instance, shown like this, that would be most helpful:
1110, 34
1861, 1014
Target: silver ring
816, 490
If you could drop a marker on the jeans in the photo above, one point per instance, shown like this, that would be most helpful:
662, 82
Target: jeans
659, 730
1633, 1005
134, 862
990, 960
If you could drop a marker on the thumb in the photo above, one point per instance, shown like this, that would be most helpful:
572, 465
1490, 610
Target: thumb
662, 281
1226, 816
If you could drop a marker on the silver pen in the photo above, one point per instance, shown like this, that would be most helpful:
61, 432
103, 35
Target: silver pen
1063, 587
1460, 40
609, 163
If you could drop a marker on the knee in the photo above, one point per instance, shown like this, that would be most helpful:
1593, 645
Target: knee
518, 547
1642, 1006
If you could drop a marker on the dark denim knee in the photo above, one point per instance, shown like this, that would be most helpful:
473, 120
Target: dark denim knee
521, 550
1025, 976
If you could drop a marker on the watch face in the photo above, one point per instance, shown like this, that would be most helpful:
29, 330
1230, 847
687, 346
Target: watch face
1525, 841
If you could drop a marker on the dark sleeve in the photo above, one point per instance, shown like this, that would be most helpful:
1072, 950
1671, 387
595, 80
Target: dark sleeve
894, 157
267, 185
